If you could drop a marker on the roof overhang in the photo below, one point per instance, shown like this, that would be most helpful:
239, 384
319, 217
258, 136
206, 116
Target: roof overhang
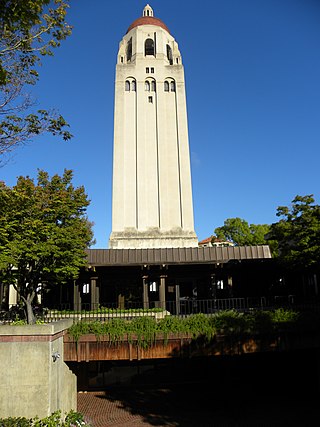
174, 256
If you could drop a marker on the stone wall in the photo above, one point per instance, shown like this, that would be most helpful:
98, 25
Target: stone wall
32, 381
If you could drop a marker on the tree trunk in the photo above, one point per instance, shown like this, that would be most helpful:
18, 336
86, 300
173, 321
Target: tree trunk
27, 301
30, 315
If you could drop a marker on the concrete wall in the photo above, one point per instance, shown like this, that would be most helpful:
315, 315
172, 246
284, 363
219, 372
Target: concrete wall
31, 382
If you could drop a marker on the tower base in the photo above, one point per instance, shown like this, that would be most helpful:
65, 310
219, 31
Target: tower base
152, 238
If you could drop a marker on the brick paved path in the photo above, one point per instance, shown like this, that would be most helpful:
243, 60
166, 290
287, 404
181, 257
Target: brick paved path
188, 406
102, 412
246, 392
146, 406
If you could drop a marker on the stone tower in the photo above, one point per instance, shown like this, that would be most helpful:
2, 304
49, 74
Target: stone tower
152, 195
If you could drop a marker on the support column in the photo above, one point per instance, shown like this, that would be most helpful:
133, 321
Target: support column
316, 288
76, 296
177, 300
230, 287
94, 293
121, 302
145, 292
318, 367
213, 286
162, 292
13, 296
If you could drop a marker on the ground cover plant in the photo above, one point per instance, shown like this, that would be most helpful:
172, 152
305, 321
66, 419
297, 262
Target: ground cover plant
72, 419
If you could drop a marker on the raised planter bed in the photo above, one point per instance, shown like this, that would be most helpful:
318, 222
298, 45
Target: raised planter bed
92, 348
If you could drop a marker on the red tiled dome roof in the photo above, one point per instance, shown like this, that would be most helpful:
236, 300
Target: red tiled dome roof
148, 20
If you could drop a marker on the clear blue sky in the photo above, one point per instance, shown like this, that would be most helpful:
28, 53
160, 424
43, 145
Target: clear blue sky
253, 92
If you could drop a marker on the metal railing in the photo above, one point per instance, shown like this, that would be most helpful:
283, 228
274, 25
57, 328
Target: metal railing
184, 307
158, 309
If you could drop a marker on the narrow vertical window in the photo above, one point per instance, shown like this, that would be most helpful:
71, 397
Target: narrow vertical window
152, 70
149, 47
169, 54
153, 86
147, 70
166, 86
127, 86
150, 99
121, 59
129, 50
133, 85
147, 86
172, 86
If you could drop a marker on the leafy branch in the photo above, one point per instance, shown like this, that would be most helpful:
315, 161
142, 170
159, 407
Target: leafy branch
29, 30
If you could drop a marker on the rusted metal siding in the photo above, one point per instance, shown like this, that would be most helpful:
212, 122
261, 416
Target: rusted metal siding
207, 255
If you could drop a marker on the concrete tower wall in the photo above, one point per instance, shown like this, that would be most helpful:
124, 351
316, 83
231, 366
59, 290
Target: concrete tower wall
152, 196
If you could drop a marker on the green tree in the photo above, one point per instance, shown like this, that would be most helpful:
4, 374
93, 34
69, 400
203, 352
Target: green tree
298, 232
44, 232
29, 30
241, 233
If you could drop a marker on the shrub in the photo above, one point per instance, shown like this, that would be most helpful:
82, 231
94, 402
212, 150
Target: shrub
72, 419
229, 322
15, 422
284, 316
199, 324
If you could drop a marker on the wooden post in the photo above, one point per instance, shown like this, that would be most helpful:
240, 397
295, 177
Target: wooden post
94, 293
121, 302
177, 300
162, 291
76, 297
145, 292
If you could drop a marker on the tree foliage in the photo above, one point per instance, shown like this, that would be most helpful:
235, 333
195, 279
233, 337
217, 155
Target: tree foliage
241, 233
29, 30
298, 232
44, 232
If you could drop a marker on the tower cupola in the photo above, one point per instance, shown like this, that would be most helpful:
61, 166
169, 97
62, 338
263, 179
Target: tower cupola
147, 11
147, 18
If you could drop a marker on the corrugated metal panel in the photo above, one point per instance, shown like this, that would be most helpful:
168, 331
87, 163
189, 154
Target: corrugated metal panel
218, 254
248, 252
176, 255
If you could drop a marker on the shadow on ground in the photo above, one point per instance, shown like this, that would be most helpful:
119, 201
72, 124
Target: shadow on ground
259, 391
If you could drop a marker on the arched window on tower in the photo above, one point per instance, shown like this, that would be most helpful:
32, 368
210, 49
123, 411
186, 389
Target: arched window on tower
133, 85
129, 50
149, 47
127, 86
172, 86
147, 86
166, 86
153, 86
169, 54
